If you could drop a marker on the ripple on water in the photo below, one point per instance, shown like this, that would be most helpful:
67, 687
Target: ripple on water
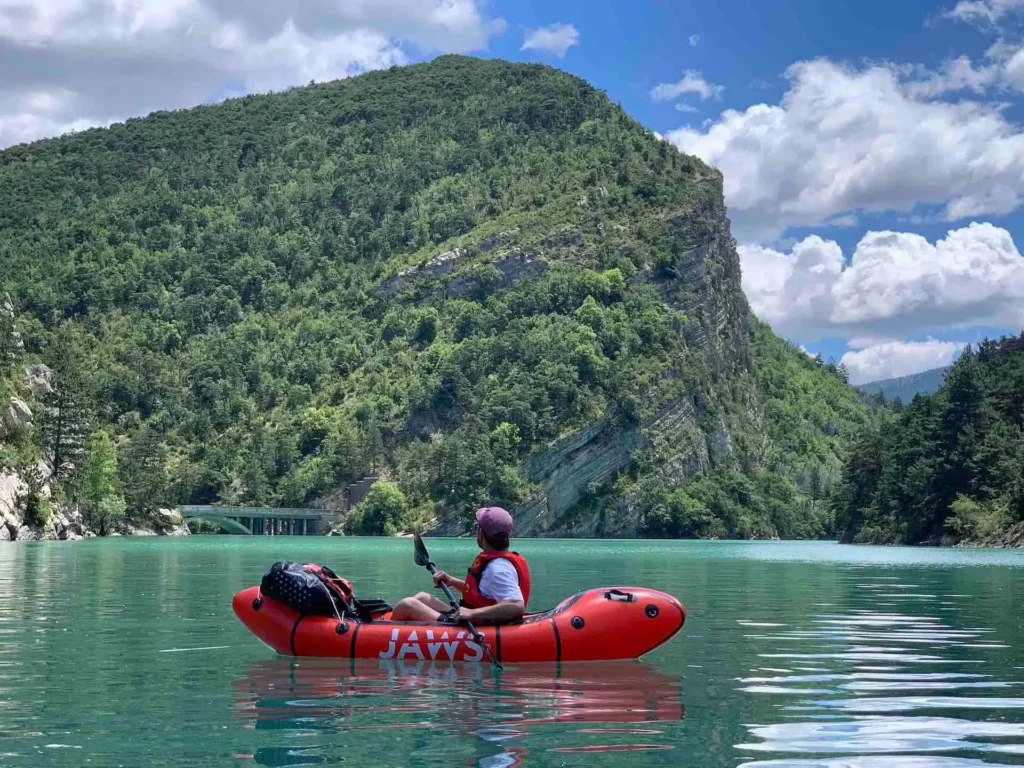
869, 762
870, 713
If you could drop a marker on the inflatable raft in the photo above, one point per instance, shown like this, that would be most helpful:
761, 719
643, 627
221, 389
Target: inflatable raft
602, 624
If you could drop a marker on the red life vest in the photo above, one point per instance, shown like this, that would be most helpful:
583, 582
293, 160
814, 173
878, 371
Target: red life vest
471, 595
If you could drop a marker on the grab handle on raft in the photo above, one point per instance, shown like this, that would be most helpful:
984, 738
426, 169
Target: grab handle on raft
423, 558
620, 596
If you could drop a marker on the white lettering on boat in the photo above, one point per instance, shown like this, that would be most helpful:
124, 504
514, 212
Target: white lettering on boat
390, 652
413, 646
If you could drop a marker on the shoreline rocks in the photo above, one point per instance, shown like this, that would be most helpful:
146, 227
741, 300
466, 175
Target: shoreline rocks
68, 523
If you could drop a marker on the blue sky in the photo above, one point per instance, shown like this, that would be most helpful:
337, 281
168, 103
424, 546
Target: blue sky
873, 152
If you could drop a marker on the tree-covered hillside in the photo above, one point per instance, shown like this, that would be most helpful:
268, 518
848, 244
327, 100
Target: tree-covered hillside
948, 466
442, 274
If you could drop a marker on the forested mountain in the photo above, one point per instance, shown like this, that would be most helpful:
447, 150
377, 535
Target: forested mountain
480, 280
907, 387
950, 465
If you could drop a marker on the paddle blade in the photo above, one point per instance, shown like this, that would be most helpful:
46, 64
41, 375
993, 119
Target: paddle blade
422, 556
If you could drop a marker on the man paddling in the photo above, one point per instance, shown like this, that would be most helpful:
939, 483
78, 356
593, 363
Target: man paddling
496, 588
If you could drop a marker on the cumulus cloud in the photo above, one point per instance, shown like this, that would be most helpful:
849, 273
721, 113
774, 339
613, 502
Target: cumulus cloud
844, 141
985, 12
694, 39
899, 358
682, 106
692, 82
896, 284
555, 38
92, 62
1004, 73
956, 75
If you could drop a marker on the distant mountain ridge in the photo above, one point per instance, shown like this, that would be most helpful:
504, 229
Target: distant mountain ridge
907, 387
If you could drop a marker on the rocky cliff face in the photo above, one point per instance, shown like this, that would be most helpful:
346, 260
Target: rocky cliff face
698, 275
701, 277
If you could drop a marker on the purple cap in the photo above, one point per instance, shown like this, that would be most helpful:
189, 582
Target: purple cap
494, 520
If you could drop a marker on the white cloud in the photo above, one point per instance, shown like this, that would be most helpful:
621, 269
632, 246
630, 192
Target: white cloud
984, 11
42, 113
844, 141
555, 38
956, 75
91, 62
682, 106
791, 289
694, 39
899, 358
896, 285
692, 82
1003, 73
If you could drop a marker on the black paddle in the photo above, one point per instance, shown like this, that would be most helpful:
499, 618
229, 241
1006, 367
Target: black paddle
423, 558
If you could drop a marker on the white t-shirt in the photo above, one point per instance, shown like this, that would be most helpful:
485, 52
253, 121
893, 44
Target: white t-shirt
501, 581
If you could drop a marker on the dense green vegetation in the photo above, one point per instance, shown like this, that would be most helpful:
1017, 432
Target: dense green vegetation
950, 465
385, 510
209, 288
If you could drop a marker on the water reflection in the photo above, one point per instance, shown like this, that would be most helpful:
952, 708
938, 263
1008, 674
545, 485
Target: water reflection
894, 683
408, 705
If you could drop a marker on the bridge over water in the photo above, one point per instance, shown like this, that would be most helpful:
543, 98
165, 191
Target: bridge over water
275, 521
281, 521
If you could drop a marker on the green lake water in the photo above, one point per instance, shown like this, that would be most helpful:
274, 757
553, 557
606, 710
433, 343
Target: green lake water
126, 653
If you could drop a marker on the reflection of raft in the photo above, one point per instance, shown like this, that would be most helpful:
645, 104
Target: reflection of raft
276, 690
599, 624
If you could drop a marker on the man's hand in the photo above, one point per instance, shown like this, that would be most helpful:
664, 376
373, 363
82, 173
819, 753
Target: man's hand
440, 577
465, 615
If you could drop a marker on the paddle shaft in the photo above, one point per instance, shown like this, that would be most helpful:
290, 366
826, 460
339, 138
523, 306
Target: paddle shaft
455, 604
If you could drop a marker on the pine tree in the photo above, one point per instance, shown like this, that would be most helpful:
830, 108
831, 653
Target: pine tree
815, 485
371, 442
962, 425
258, 466
963, 388
143, 471
64, 421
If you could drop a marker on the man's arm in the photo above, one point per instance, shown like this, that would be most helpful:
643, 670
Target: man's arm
505, 610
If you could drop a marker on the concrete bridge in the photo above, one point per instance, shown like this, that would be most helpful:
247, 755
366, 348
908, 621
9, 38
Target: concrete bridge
281, 521
274, 521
